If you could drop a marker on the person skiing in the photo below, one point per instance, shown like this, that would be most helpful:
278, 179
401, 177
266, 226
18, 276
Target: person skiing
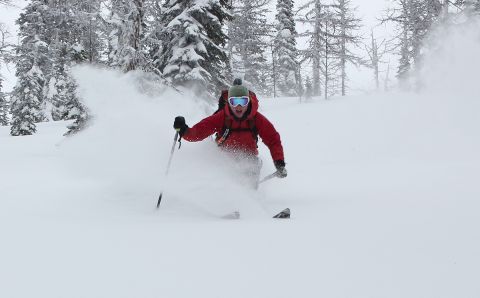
237, 126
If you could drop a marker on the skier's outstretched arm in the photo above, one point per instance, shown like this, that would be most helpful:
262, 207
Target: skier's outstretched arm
201, 130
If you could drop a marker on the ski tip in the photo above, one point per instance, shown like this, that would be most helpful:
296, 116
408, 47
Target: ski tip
285, 213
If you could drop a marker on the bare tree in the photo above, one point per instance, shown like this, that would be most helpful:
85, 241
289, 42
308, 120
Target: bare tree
313, 15
329, 64
375, 52
331, 42
348, 36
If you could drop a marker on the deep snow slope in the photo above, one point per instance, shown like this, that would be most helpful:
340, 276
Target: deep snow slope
383, 189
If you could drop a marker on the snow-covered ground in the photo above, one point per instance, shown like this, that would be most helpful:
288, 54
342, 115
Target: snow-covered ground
383, 190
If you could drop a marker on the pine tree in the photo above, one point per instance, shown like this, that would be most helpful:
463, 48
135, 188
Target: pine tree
127, 34
285, 48
62, 85
86, 31
193, 37
247, 42
76, 111
3, 106
26, 102
72, 21
32, 55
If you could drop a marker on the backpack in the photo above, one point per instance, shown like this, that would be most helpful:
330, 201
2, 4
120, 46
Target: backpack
222, 136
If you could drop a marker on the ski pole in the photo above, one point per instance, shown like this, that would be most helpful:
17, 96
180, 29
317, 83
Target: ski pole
175, 139
266, 178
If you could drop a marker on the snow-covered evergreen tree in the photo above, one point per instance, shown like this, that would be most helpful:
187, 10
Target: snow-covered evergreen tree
247, 42
193, 37
3, 106
153, 36
70, 42
27, 103
62, 86
86, 31
285, 49
127, 34
76, 111
81, 117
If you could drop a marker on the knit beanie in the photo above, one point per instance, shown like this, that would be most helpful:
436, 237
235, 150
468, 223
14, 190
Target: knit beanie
237, 91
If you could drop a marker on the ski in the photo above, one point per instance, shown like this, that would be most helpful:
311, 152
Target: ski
283, 214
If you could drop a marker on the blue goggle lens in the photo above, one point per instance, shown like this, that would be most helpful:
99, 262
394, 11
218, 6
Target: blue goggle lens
238, 101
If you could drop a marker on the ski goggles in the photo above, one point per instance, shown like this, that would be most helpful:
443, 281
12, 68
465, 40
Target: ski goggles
239, 101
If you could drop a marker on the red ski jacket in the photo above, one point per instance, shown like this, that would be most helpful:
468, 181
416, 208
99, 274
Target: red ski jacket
240, 138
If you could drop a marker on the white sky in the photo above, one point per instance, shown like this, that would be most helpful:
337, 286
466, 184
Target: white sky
360, 80
8, 15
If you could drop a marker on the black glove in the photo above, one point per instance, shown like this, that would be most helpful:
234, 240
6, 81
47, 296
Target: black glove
281, 171
180, 126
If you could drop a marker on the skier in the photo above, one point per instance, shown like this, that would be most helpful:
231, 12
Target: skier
237, 126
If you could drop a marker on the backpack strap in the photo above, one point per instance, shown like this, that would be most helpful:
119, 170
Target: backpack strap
222, 101
227, 129
253, 128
